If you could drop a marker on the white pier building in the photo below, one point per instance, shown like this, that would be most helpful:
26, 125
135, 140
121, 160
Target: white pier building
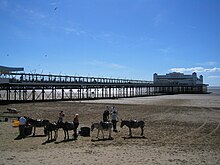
176, 78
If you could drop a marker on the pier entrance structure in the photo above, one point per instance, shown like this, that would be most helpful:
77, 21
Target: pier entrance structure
26, 87
179, 83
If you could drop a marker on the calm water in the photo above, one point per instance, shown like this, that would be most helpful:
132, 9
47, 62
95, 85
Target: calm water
214, 90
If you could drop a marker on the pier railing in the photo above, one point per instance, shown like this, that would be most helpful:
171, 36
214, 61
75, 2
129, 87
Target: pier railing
48, 78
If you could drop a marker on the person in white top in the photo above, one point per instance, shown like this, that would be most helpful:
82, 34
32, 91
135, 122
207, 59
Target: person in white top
22, 123
76, 124
114, 115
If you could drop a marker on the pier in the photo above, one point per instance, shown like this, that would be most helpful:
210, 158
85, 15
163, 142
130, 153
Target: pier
27, 87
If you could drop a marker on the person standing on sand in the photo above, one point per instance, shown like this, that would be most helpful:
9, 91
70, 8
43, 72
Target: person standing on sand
114, 115
76, 124
61, 116
22, 123
106, 115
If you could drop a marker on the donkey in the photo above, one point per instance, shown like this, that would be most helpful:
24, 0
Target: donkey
133, 124
106, 126
37, 123
66, 127
49, 129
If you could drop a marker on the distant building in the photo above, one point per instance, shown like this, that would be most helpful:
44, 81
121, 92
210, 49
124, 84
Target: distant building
176, 78
4, 69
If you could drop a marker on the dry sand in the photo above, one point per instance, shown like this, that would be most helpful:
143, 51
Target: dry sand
180, 129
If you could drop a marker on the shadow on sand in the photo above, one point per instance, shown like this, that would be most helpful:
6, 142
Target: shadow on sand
64, 141
134, 137
48, 141
19, 137
105, 139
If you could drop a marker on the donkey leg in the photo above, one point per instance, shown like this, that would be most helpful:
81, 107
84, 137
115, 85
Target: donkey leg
56, 134
44, 129
54, 137
51, 135
142, 131
97, 134
64, 134
34, 131
67, 134
103, 134
130, 134
110, 131
48, 135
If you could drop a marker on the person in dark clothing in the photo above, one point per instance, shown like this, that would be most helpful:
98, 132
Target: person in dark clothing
22, 124
61, 116
106, 115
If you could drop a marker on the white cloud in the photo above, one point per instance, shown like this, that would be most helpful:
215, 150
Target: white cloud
55, 3
75, 30
215, 69
116, 66
34, 14
104, 64
195, 69
25, 13
160, 18
78, 30
165, 50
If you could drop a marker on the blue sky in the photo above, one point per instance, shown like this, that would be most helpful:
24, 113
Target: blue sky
112, 38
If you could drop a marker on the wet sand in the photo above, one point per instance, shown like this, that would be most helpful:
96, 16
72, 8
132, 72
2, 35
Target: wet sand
180, 129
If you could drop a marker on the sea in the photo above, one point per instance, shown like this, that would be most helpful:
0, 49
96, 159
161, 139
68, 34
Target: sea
214, 90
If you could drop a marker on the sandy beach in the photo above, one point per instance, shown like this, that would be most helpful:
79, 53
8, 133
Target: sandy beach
179, 129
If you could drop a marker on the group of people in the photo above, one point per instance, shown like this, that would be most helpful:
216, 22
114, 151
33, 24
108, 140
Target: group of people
114, 116
109, 111
23, 123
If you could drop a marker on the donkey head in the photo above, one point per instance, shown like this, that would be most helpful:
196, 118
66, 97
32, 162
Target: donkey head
122, 123
92, 127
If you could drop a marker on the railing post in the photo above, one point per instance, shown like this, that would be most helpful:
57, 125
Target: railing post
62, 94
43, 93
8, 93
71, 94
33, 95
15, 92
